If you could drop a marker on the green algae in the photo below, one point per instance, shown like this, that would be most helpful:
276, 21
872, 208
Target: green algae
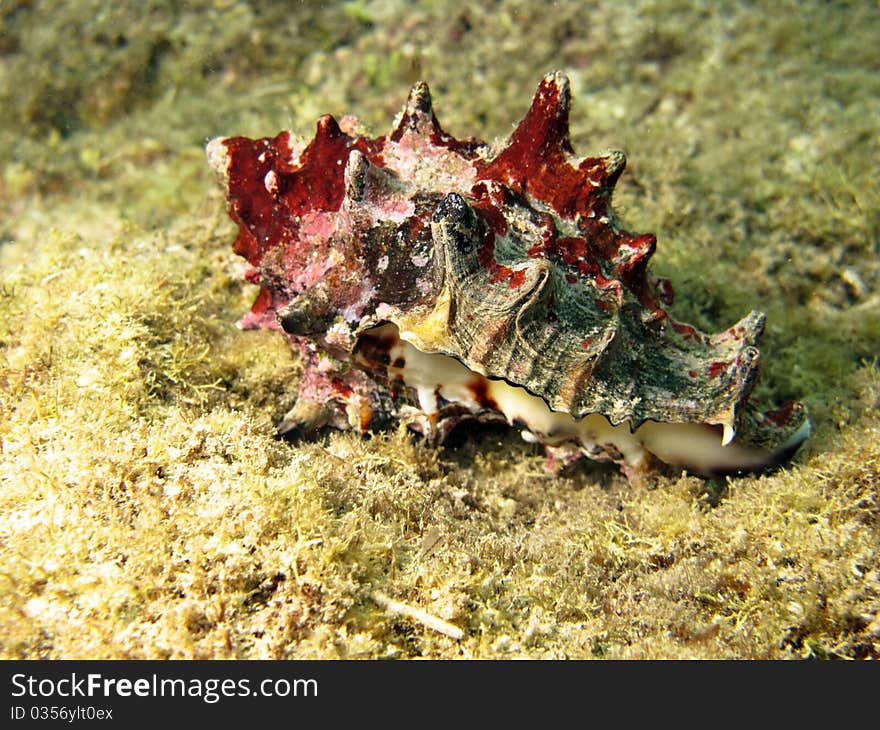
148, 510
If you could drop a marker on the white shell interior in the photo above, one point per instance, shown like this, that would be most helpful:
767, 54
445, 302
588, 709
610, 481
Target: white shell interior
699, 447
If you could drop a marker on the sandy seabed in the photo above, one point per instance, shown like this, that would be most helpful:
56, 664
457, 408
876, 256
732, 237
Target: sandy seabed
147, 509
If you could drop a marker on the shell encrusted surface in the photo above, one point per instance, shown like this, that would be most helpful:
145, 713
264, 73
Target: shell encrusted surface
431, 279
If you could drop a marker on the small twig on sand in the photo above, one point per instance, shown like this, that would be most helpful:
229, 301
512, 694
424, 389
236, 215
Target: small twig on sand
417, 614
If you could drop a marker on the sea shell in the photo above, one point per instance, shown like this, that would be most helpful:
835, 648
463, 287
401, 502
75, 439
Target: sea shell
428, 279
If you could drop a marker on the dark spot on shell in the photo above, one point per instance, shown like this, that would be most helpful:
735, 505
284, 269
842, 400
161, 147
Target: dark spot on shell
375, 348
479, 389
459, 221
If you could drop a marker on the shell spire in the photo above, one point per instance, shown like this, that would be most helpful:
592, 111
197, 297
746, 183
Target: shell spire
538, 148
418, 116
356, 170
543, 132
309, 187
536, 160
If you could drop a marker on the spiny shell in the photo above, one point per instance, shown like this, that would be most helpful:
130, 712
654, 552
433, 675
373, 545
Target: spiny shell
509, 261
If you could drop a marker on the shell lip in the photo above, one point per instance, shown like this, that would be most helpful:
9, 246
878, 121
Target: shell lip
634, 423
778, 458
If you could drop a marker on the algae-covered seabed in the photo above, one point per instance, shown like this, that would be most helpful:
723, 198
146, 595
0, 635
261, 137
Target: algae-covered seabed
149, 511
